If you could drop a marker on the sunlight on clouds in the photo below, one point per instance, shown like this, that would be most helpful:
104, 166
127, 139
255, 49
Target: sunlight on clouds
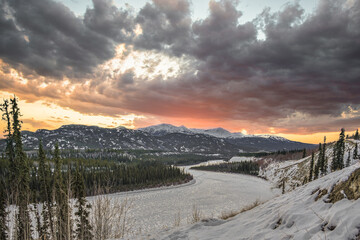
147, 65
350, 113
18, 76
52, 116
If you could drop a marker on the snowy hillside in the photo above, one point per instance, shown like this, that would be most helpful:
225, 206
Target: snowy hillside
295, 172
311, 211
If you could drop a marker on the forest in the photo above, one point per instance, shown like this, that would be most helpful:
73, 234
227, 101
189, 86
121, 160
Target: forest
245, 167
46, 185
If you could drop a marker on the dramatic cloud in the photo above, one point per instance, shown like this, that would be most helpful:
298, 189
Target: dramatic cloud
289, 71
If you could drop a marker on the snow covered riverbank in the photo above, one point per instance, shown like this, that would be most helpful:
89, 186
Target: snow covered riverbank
304, 213
212, 194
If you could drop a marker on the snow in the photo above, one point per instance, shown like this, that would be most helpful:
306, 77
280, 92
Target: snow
294, 215
215, 132
212, 193
241, 159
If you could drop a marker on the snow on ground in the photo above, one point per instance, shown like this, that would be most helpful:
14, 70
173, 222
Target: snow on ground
296, 171
241, 159
294, 215
212, 193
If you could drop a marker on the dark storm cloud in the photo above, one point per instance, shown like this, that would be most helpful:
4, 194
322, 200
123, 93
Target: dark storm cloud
166, 24
47, 37
110, 21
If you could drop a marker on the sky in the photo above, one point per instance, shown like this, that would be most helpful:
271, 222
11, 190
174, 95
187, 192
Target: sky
289, 68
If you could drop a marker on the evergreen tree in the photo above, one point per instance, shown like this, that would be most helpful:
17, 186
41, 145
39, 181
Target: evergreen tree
83, 228
334, 161
356, 136
320, 163
311, 167
341, 149
3, 211
356, 151
316, 170
304, 153
45, 195
61, 199
23, 221
323, 165
348, 160
10, 151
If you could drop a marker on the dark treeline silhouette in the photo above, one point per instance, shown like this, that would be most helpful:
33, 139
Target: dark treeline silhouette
246, 167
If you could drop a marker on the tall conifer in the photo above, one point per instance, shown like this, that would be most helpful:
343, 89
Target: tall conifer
3, 211
83, 227
311, 167
61, 199
23, 221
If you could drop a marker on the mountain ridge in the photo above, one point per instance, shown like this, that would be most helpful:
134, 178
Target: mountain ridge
163, 137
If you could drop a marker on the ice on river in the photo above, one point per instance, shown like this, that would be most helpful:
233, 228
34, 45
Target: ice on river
212, 194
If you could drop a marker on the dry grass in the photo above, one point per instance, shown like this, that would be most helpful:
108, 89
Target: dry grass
196, 215
227, 215
177, 219
109, 218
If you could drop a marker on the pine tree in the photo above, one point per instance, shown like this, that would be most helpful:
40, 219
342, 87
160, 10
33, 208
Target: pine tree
356, 151
341, 150
304, 153
323, 166
61, 199
320, 158
23, 221
356, 136
334, 161
83, 227
45, 198
10, 151
316, 170
348, 160
311, 167
69, 223
3, 212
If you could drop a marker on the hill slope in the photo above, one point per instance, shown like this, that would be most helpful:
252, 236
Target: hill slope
305, 213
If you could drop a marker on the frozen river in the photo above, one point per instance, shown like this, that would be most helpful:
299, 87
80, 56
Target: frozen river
212, 193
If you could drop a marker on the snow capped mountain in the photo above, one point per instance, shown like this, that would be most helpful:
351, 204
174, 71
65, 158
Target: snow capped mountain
164, 137
218, 132
162, 129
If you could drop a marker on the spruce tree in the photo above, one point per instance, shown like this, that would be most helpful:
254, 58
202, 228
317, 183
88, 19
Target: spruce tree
45, 199
304, 153
10, 151
83, 227
3, 211
356, 151
311, 167
348, 160
323, 166
334, 160
23, 221
320, 158
341, 150
356, 136
316, 170
61, 199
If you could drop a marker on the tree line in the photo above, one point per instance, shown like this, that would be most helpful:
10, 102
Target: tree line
338, 162
40, 189
245, 167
